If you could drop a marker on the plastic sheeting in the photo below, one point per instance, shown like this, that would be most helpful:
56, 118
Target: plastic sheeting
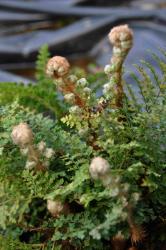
27, 25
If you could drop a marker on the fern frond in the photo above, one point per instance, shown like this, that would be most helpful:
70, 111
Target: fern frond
162, 66
42, 59
151, 86
8, 243
40, 96
31, 96
147, 85
132, 96
153, 72
141, 88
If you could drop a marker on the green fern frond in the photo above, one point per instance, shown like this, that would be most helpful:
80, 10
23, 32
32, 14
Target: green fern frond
162, 65
30, 95
42, 59
40, 96
153, 72
8, 243
132, 96
124, 189
151, 84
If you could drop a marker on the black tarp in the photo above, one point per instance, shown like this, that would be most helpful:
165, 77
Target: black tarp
27, 25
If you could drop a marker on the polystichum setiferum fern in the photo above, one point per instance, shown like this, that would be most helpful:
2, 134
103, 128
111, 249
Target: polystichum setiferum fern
93, 178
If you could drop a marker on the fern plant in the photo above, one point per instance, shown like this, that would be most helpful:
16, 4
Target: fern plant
40, 96
93, 178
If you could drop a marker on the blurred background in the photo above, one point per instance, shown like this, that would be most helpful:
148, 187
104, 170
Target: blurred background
76, 29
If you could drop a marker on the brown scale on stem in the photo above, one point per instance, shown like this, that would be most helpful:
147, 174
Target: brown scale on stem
118, 242
58, 68
137, 232
121, 37
70, 87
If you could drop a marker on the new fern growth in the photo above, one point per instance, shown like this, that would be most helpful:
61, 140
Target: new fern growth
92, 175
40, 96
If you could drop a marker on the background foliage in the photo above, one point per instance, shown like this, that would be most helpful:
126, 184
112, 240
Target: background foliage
134, 145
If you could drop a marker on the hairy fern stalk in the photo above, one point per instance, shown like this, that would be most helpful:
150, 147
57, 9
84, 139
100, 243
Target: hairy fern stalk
82, 171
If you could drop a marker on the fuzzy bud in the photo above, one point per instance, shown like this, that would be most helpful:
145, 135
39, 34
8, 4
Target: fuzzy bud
83, 82
49, 153
72, 78
22, 135
54, 207
70, 98
41, 146
115, 192
106, 88
57, 66
124, 201
57, 207
87, 91
30, 165
75, 110
135, 197
120, 34
107, 69
99, 168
